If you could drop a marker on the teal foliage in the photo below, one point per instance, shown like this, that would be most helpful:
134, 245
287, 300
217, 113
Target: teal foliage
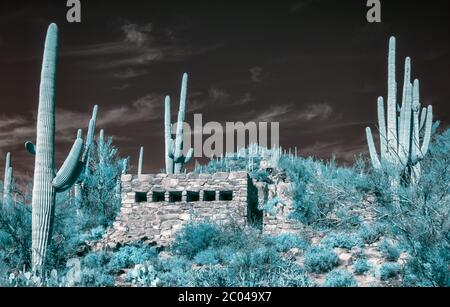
420, 221
129, 256
286, 242
101, 201
323, 189
361, 266
391, 252
319, 259
15, 237
390, 270
340, 279
342, 240
371, 233
207, 257
194, 238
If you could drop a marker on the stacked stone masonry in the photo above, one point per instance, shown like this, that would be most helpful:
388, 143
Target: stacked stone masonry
155, 207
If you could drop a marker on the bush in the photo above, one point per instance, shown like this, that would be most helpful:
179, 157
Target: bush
285, 242
207, 257
389, 270
390, 251
129, 256
194, 238
320, 260
339, 279
361, 266
341, 240
371, 233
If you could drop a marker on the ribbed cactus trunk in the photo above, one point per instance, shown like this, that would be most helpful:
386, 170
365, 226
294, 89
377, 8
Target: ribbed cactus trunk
141, 160
43, 203
168, 137
8, 180
175, 159
45, 182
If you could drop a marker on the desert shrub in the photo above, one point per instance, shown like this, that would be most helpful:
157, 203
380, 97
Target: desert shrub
389, 270
129, 256
15, 237
339, 279
371, 233
341, 240
390, 251
207, 257
419, 221
320, 259
194, 238
361, 266
324, 194
286, 242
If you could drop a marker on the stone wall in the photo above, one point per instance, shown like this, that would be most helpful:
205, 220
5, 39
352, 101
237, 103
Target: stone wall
155, 207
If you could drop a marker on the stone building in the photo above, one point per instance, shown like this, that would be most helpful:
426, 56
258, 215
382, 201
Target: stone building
155, 207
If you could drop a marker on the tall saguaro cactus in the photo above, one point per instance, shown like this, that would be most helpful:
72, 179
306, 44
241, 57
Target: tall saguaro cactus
405, 137
8, 180
174, 149
45, 182
141, 160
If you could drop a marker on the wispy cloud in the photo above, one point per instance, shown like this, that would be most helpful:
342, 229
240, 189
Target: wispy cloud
256, 74
288, 114
137, 46
316, 111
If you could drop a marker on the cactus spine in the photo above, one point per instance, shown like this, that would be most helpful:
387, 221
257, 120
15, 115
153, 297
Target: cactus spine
174, 149
141, 161
405, 138
46, 184
8, 180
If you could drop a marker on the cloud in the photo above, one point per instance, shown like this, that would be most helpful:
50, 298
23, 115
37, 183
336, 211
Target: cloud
217, 94
316, 111
137, 35
288, 115
17, 130
256, 74
137, 46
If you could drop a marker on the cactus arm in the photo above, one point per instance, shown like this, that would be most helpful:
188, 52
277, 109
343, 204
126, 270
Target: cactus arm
392, 136
181, 118
31, 148
372, 150
7, 182
189, 156
168, 137
415, 140
382, 128
125, 163
427, 133
68, 172
7, 165
423, 118
405, 127
90, 134
43, 199
141, 160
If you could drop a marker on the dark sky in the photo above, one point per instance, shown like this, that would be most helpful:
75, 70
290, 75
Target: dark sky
317, 67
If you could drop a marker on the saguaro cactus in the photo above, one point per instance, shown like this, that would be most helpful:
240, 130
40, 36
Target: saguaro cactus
141, 160
174, 149
46, 184
8, 180
405, 138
